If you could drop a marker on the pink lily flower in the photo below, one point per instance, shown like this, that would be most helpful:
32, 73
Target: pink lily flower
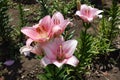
40, 32
87, 13
60, 52
59, 24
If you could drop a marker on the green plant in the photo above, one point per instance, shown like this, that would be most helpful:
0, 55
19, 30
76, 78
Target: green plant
113, 20
85, 52
49, 7
66, 9
9, 41
44, 9
85, 1
21, 16
4, 28
68, 33
53, 73
108, 30
101, 41
22, 22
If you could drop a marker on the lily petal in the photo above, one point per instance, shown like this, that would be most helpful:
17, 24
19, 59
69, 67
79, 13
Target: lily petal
59, 64
30, 32
50, 50
37, 49
64, 24
69, 47
57, 18
29, 41
77, 13
73, 61
46, 23
56, 30
45, 61
25, 50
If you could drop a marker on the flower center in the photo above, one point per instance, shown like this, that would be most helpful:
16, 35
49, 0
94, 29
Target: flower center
87, 12
60, 55
41, 30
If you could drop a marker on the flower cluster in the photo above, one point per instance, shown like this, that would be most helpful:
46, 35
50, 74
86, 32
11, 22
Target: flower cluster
48, 39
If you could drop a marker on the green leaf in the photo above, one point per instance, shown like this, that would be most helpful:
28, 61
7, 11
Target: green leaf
42, 77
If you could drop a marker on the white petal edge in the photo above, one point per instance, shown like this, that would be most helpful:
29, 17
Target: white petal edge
77, 13
73, 61
25, 50
59, 64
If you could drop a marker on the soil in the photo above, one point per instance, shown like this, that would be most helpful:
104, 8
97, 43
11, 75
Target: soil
105, 67
25, 69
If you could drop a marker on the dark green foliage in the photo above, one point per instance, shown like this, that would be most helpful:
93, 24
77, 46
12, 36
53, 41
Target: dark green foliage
53, 73
44, 8
108, 30
101, 41
21, 16
66, 10
114, 15
48, 7
4, 28
84, 47
85, 1
85, 43
9, 42
26, 1
68, 34
22, 22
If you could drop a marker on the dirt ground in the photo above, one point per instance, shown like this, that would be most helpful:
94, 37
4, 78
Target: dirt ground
29, 68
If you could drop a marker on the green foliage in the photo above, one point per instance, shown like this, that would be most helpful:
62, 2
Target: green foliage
68, 34
66, 9
48, 7
4, 28
21, 16
108, 30
84, 53
44, 9
101, 42
9, 41
85, 1
53, 73
22, 22
114, 20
